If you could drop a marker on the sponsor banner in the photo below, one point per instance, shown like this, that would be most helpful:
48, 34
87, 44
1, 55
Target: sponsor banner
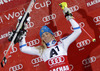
87, 62
36, 61
59, 63
83, 43
74, 8
14, 50
58, 33
92, 4
11, 16
33, 42
5, 35
18, 67
6, 5
97, 20
40, 5
10, 10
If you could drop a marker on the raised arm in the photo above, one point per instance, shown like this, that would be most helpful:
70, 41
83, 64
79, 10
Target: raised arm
69, 39
77, 30
26, 49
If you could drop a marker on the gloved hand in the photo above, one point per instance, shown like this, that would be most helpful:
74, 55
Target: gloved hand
19, 37
63, 5
26, 21
66, 10
22, 31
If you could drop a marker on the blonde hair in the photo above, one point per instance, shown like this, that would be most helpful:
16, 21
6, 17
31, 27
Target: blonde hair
43, 46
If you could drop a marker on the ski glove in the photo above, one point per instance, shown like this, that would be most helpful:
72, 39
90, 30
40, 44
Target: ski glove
22, 31
66, 10
67, 13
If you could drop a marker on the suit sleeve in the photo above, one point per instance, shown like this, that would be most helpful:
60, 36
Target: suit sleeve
28, 50
69, 39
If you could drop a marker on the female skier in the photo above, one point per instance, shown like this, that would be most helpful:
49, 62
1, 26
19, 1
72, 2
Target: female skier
53, 52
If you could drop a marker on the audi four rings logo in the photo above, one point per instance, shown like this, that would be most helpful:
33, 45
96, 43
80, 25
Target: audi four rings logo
36, 60
96, 19
31, 24
89, 60
71, 67
81, 24
74, 8
48, 18
58, 33
83, 43
56, 60
33, 42
13, 51
15, 68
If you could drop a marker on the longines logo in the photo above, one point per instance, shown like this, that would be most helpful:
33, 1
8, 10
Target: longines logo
4, 1
42, 5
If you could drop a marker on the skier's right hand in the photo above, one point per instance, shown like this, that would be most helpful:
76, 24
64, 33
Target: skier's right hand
26, 21
22, 31
19, 37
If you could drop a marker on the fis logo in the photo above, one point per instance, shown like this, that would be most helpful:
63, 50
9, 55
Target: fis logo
4, 1
42, 5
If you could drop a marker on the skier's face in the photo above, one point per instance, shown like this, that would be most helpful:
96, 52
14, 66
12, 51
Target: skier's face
47, 37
